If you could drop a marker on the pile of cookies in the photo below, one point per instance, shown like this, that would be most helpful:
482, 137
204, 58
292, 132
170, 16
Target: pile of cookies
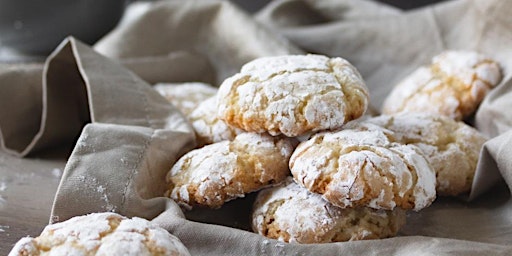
294, 129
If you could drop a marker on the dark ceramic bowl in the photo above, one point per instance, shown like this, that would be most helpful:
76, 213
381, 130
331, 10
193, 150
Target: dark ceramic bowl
37, 27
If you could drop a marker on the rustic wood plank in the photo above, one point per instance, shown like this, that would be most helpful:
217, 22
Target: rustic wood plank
27, 188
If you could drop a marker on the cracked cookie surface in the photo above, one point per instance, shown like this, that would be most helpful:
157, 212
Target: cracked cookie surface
293, 95
452, 148
290, 213
186, 96
101, 234
362, 166
453, 85
219, 172
208, 127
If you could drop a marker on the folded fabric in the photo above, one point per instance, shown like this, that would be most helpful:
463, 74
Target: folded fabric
123, 137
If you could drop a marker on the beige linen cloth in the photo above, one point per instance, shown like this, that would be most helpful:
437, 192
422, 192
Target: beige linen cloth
124, 136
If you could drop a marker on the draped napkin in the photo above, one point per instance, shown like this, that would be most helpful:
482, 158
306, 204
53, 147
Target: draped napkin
121, 137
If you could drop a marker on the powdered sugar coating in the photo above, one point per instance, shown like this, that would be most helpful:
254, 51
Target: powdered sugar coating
186, 96
466, 64
292, 95
208, 127
219, 172
452, 148
292, 214
453, 85
101, 234
361, 166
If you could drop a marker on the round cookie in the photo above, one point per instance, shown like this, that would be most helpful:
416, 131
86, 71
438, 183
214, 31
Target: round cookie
292, 95
219, 172
452, 148
453, 85
361, 166
186, 96
208, 127
101, 234
292, 214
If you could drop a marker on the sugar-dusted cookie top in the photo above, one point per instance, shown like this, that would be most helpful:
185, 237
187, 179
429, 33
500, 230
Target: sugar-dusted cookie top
362, 166
453, 85
291, 213
293, 95
222, 171
101, 234
451, 147
186, 96
208, 127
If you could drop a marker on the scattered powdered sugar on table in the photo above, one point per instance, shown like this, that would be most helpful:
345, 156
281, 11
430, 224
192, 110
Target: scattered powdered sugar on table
100, 189
3, 187
3, 228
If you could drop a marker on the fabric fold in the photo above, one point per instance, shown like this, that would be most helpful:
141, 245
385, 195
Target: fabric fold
132, 137
207, 239
77, 88
120, 160
21, 105
63, 110
218, 31
125, 137
495, 164
119, 168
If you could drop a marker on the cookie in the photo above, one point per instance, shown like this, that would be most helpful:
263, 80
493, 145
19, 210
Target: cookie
186, 96
291, 213
292, 95
452, 148
453, 85
101, 234
219, 172
361, 166
208, 127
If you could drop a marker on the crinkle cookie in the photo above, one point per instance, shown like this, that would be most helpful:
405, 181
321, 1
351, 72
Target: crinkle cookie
361, 166
101, 234
219, 172
186, 96
208, 127
452, 148
293, 95
453, 85
292, 214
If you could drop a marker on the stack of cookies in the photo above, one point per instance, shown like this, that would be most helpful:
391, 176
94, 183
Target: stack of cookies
292, 128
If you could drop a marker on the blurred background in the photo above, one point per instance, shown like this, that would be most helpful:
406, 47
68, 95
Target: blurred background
30, 30
254, 5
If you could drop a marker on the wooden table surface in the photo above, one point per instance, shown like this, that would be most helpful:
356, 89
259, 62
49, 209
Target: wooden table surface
27, 188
